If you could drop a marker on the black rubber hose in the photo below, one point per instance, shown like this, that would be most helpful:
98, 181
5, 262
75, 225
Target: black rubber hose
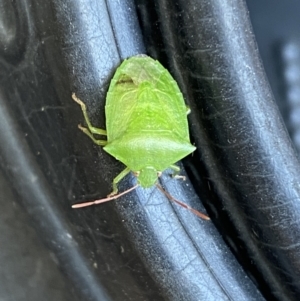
142, 247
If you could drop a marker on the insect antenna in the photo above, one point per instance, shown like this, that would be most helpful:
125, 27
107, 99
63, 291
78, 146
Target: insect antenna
171, 198
110, 198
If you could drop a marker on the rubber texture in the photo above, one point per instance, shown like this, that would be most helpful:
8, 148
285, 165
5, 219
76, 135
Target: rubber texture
142, 247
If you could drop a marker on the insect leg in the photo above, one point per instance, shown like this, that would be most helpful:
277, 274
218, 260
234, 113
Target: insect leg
176, 172
175, 168
117, 179
188, 110
88, 133
92, 129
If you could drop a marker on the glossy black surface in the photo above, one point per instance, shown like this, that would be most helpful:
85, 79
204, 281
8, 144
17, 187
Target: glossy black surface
142, 247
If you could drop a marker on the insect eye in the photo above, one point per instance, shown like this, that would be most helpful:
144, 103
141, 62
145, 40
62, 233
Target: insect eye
159, 173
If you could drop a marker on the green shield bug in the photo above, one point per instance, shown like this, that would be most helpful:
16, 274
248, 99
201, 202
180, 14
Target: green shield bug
146, 124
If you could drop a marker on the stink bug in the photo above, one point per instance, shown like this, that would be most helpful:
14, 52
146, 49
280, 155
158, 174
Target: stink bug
146, 124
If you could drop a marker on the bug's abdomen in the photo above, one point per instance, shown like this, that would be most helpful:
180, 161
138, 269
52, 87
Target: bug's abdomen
157, 149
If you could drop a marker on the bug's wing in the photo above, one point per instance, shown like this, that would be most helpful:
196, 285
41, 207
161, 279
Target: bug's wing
123, 99
120, 106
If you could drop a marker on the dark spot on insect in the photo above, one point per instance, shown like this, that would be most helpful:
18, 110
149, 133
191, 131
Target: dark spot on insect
125, 81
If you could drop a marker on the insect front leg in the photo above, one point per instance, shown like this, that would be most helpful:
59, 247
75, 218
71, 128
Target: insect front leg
91, 129
117, 179
176, 170
188, 110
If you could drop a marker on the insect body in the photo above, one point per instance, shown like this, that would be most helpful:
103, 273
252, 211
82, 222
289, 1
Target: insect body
146, 121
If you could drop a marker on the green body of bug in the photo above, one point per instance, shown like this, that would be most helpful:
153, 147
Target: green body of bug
146, 121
